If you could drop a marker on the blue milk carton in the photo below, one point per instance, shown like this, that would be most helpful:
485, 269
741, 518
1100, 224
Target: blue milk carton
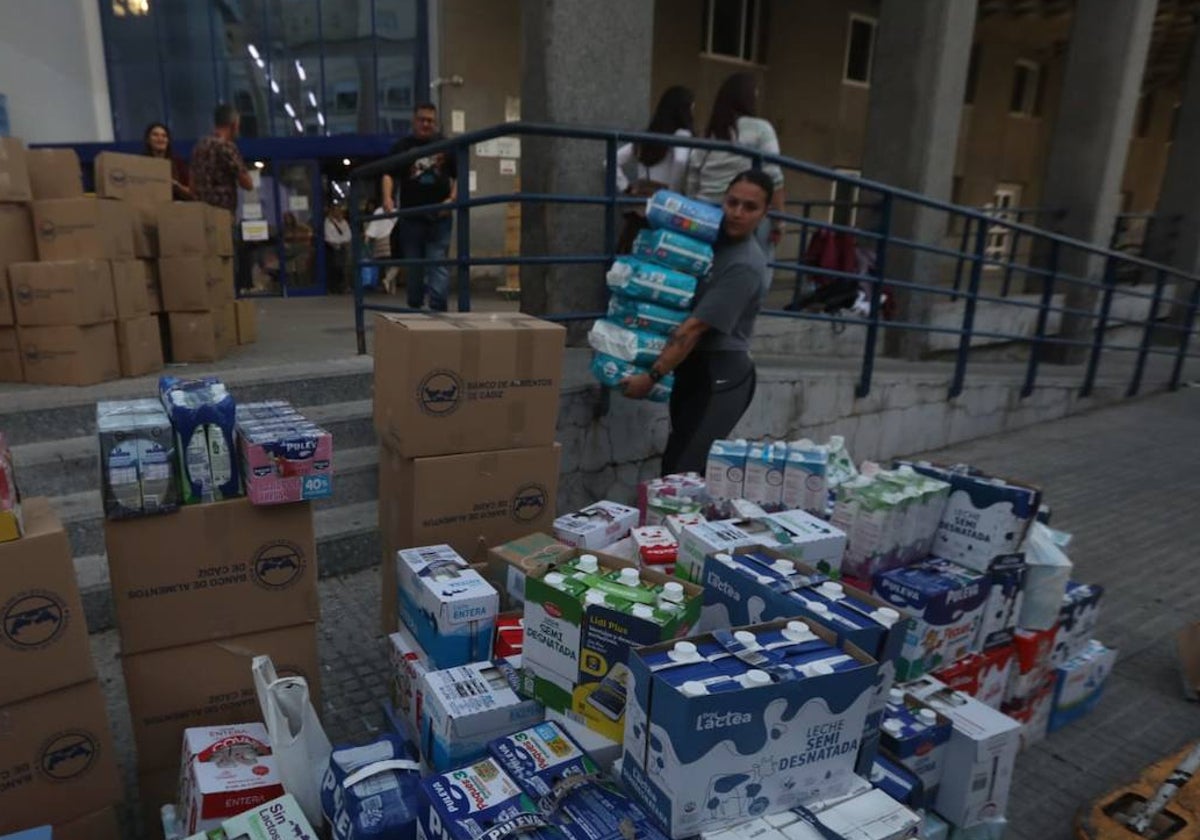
916, 736
725, 472
698, 762
479, 802
765, 463
674, 250
639, 279
448, 606
946, 600
696, 218
369, 792
203, 415
804, 484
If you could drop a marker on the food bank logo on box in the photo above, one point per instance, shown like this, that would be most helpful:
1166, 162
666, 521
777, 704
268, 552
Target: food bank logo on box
278, 565
68, 755
34, 620
440, 393
529, 501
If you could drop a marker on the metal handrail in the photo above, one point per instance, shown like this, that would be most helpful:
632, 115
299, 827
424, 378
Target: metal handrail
972, 255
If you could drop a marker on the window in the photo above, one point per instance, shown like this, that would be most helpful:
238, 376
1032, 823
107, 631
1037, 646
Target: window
844, 196
860, 50
1145, 114
1005, 198
1026, 90
972, 76
736, 29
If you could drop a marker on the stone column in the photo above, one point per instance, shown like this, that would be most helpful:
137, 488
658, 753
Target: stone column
587, 64
917, 87
1090, 142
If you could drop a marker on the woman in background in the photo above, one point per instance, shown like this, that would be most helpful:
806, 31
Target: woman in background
735, 119
157, 143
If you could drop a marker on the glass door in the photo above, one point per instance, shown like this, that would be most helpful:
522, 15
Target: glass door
302, 252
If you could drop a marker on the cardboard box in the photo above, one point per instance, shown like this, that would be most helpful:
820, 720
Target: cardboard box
226, 770
1076, 620
409, 665
1006, 596
247, 321
193, 337
16, 245
145, 231
54, 173
14, 171
155, 789
44, 637
466, 382
130, 288
284, 456
11, 369
455, 805
182, 229
596, 526
220, 279
153, 287
188, 284
225, 328
916, 736
139, 346
280, 817
509, 562
468, 502
137, 179
69, 355
82, 228
211, 570
56, 757
208, 684
98, 825
66, 293
1080, 683
218, 228
448, 606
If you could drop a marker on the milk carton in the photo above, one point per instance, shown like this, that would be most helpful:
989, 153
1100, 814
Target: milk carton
980, 756
1032, 665
675, 523
226, 770
138, 469
898, 782
1079, 684
280, 817
1047, 575
284, 456
477, 802
409, 665
1076, 620
465, 707
804, 484
765, 464
725, 472
946, 602
1006, 596
369, 792
450, 609
659, 507
706, 754
916, 736
681, 486
656, 547
696, 542
872, 815
984, 676
203, 414
804, 538
596, 526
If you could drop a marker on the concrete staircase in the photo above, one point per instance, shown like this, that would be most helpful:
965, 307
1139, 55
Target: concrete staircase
56, 455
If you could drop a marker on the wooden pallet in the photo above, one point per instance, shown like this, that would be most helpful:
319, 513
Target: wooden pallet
1179, 821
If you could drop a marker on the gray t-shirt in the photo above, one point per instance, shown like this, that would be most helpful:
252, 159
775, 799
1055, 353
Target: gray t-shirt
729, 298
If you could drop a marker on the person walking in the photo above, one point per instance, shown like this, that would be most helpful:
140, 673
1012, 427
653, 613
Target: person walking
428, 180
337, 247
655, 166
709, 353
156, 142
217, 172
735, 119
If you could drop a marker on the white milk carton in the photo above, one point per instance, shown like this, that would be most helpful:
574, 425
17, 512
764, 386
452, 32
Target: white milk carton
725, 473
802, 536
448, 606
656, 547
596, 526
409, 665
226, 770
765, 465
280, 817
1079, 684
677, 522
698, 541
804, 484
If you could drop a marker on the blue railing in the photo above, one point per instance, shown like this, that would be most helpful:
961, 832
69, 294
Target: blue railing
941, 267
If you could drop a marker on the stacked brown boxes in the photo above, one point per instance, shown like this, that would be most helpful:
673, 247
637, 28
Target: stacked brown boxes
16, 245
56, 749
466, 408
195, 269
197, 595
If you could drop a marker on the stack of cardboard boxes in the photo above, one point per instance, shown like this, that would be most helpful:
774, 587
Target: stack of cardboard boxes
56, 752
466, 407
197, 595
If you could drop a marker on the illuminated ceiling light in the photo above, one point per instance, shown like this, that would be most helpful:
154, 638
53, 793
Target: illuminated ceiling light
300, 70
299, 126
320, 118
262, 65
291, 112
337, 188
258, 164
345, 161
312, 99
274, 86
253, 50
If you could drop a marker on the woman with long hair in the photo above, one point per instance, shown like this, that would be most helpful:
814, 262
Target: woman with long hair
156, 140
734, 119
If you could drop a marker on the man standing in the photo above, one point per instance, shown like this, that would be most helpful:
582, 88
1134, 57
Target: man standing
218, 171
425, 181
337, 241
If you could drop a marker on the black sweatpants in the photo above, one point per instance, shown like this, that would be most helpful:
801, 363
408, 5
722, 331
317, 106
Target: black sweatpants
712, 392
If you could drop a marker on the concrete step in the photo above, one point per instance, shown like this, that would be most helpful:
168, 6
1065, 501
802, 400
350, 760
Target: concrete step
71, 465
347, 541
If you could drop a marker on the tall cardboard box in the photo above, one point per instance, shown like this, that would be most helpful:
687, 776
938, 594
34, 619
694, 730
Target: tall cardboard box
44, 637
61, 293
16, 245
145, 231
10, 356
83, 228
218, 227
226, 328
208, 684
54, 173
469, 502
153, 286
183, 229
98, 825
247, 321
14, 171
56, 757
130, 283
211, 570
139, 346
189, 284
193, 337
220, 281
137, 179
69, 355
466, 382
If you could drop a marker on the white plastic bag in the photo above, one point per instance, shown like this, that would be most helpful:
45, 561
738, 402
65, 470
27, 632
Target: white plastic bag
1047, 571
298, 740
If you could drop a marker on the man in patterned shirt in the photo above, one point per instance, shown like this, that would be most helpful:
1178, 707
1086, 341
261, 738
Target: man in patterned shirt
217, 167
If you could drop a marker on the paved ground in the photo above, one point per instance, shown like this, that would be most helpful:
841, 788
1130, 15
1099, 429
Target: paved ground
1118, 479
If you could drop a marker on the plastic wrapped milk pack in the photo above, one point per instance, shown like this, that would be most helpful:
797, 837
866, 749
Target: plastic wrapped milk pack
637, 346
670, 210
637, 314
610, 371
639, 279
674, 250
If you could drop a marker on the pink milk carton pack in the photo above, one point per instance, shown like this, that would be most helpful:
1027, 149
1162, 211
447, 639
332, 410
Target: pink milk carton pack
285, 457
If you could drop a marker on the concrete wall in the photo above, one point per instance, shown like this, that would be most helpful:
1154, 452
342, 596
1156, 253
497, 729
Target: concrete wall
52, 71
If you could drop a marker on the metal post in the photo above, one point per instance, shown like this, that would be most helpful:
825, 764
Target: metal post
968, 322
356, 249
868, 364
1189, 317
610, 194
962, 249
1110, 281
1035, 351
1012, 257
1160, 280
462, 212
798, 290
